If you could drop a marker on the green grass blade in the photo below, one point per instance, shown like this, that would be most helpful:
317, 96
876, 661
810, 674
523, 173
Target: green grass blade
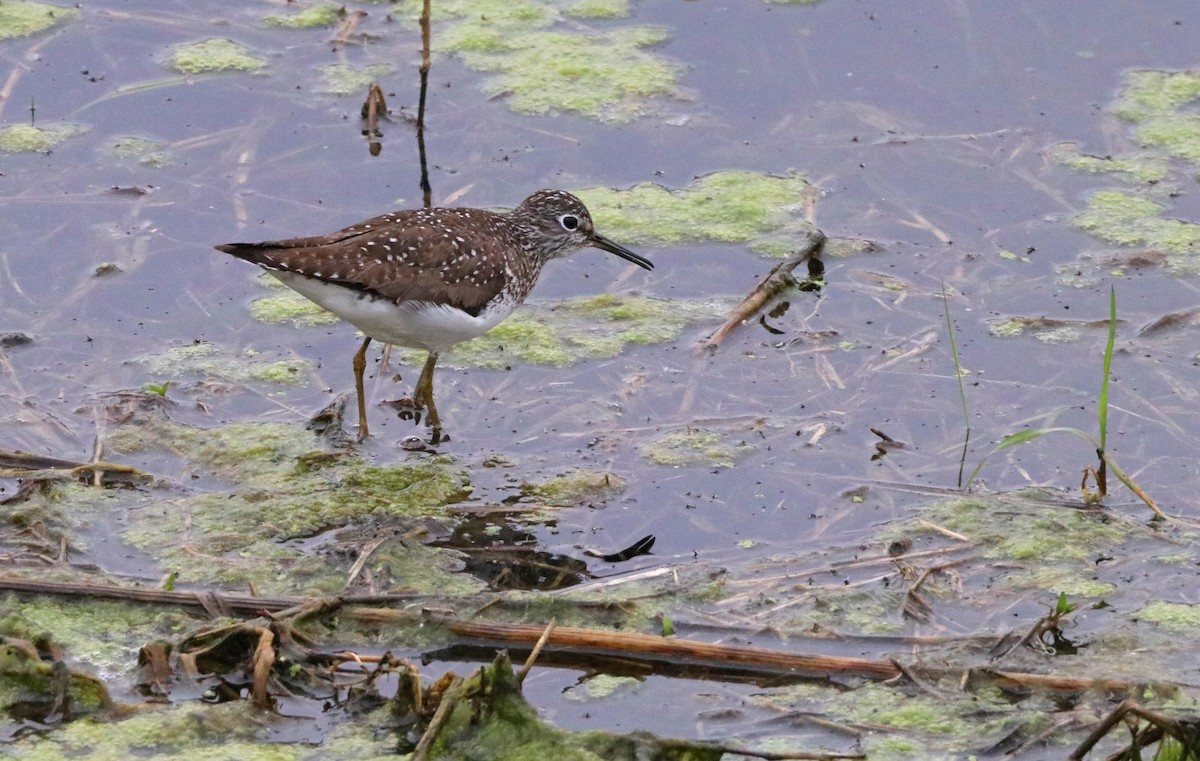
1024, 437
1020, 437
962, 389
1108, 353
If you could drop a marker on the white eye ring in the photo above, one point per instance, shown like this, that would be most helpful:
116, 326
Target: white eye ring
569, 222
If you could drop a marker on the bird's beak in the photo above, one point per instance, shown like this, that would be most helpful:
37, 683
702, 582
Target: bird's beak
604, 244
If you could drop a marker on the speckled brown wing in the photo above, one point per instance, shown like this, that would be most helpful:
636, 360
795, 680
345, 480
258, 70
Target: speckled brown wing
401, 256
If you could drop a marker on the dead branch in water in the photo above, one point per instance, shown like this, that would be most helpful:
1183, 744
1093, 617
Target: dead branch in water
573, 645
778, 279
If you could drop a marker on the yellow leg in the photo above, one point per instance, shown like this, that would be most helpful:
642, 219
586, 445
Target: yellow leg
360, 367
423, 394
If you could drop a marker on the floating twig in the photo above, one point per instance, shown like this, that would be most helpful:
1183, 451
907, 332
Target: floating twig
32, 467
1184, 731
779, 278
537, 649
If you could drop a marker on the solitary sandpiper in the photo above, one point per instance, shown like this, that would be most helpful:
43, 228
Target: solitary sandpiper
430, 278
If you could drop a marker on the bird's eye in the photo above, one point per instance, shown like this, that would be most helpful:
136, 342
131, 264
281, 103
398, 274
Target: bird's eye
569, 221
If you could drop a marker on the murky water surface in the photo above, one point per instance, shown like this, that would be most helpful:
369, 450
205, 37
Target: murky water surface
930, 128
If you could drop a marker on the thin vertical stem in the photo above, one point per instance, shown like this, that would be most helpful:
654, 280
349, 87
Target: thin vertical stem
1102, 471
426, 188
962, 390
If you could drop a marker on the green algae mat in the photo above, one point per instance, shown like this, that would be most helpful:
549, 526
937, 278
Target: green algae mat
752, 552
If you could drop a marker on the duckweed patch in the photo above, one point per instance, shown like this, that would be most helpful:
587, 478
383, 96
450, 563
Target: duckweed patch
312, 17
212, 57
1046, 330
574, 487
1074, 583
1060, 335
292, 308
23, 138
1009, 328
730, 207
853, 611
144, 151
1150, 94
1182, 618
531, 13
695, 446
529, 339
1142, 167
1159, 108
188, 729
1128, 219
28, 678
206, 360
284, 485
1028, 532
605, 76
889, 708
567, 332
953, 721
101, 633
344, 79
22, 19
602, 687
543, 66
599, 9
424, 570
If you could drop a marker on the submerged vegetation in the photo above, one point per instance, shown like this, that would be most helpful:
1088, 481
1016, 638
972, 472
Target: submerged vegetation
21, 18
213, 56
20, 138
198, 561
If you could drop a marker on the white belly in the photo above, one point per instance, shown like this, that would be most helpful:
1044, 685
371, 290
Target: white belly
419, 325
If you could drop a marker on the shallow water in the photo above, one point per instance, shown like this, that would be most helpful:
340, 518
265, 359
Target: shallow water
926, 126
